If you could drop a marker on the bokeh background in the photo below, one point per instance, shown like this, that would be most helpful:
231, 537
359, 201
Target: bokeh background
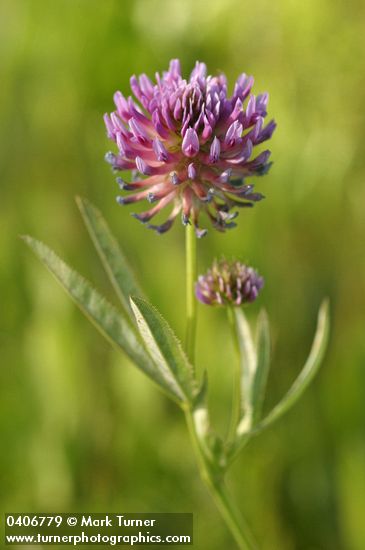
81, 429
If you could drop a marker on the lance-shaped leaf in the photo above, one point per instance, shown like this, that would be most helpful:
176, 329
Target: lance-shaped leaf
112, 258
247, 367
262, 365
255, 362
165, 349
309, 370
114, 325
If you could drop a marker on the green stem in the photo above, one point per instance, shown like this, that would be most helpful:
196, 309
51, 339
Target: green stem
214, 480
236, 394
190, 294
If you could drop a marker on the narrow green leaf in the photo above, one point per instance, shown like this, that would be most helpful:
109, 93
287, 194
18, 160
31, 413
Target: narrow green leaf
255, 363
262, 365
165, 349
108, 320
112, 258
309, 370
247, 358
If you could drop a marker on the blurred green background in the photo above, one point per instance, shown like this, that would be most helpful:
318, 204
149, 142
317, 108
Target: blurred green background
81, 429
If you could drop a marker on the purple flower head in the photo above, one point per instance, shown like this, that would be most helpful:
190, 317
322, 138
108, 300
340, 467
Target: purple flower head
190, 144
228, 283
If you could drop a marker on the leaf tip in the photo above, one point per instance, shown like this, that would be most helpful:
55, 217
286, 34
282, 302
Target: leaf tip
135, 304
324, 307
263, 316
81, 202
323, 318
27, 239
132, 300
137, 300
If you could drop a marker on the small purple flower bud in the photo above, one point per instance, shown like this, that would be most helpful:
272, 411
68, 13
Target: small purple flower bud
146, 85
237, 110
118, 125
251, 107
261, 103
254, 133
243, 86
142, 166
157, 122
160, 150
175, 69
121, 105
138, 131
253, 294
215, 150
208, 130
177, 110
259, 164
190, 144
109, 126
123, 148
233, 134
266, 132
135, 87
247, 150
228, 283
199, 71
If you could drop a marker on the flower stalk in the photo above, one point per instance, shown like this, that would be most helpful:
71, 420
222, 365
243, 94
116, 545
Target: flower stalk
191, 274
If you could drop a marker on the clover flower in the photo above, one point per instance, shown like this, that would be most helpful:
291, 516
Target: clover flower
189, 145
228, 284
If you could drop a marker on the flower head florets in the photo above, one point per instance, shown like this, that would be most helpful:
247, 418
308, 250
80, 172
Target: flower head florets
189, 145
228, 283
